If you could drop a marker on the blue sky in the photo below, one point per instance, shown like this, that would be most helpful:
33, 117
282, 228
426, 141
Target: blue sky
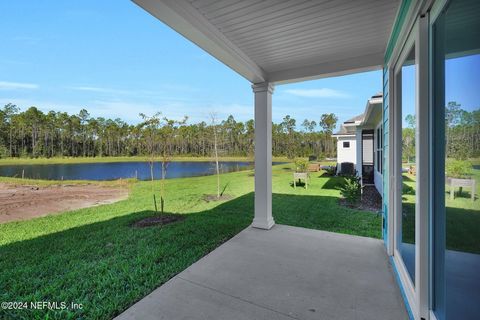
461, 84
116, 60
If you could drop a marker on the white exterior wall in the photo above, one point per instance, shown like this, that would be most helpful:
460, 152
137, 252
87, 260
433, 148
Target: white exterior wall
346, 154
358, 156
378, 181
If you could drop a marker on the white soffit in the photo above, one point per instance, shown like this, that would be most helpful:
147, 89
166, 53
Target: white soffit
284, 40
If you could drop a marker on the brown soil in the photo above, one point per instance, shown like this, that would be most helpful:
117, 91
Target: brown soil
371, 200
23, 202
213, 197
158, 220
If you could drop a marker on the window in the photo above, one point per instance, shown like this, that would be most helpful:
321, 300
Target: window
346, 144
379, 150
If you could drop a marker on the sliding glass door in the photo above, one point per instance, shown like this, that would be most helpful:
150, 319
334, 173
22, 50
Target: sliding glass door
455, 80
405, 158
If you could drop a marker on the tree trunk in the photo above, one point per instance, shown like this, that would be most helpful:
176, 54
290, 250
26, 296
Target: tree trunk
216, 160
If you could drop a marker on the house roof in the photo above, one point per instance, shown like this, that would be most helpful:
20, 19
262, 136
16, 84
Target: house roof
371, 114
284, 41
355, 119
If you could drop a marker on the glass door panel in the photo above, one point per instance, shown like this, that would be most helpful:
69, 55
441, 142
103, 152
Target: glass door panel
456, 154
406, 168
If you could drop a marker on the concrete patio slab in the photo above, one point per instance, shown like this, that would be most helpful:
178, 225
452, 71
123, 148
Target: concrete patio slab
283, 273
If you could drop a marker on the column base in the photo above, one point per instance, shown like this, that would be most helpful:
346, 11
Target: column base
263, 224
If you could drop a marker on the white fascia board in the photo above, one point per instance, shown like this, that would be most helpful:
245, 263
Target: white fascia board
182, 17
328, 69
371, 109
343, 135
353, 124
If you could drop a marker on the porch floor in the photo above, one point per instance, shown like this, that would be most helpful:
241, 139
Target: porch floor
283, 273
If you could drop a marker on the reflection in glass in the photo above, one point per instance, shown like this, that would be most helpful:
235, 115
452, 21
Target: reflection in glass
456, 212
407, 236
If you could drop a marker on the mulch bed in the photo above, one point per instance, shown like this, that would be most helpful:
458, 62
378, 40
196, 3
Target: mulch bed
371, 200
158, 220
213, 197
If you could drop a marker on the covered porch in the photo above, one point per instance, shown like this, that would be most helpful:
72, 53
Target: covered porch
277, 42
273, 271
285, 273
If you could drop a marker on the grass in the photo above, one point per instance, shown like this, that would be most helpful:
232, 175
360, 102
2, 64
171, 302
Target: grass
71, 160
462, 217
93, 257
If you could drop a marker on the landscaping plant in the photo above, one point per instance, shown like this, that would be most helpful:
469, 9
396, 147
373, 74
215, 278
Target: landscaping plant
150, 127
330, 171
301, 165
213, 118
351, 190
460, 169
167, 135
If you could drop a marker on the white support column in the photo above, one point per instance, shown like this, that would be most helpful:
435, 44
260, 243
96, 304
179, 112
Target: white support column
263, 155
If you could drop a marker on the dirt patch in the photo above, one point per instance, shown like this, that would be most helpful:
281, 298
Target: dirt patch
158, 220
23, 202
371, 200
213, 197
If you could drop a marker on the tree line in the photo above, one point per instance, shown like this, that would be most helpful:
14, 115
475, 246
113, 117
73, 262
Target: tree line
33, 133
462, 134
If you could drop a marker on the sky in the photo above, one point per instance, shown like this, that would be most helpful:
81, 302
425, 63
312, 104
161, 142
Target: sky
461, 84
115, 60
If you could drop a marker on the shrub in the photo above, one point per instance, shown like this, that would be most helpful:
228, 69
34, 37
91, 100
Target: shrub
301, 165
459, 169
330, 170
351, 190
406, 189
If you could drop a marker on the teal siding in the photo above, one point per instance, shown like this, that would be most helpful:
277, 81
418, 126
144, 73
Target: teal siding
392, 42
397, 27
385, 155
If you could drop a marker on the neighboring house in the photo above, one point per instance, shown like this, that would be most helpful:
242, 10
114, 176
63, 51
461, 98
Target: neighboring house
359, 141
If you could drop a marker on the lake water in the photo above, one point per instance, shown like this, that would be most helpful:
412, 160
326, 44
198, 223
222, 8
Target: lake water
120, 170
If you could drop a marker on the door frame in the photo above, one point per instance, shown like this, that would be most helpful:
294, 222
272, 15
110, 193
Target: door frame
416, 293
437, 196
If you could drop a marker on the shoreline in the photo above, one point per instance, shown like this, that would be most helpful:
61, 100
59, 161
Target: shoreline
77, 160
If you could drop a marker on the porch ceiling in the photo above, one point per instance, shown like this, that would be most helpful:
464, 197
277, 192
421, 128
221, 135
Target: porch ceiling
284, 40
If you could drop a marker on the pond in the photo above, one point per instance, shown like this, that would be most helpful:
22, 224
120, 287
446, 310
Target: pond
120, 170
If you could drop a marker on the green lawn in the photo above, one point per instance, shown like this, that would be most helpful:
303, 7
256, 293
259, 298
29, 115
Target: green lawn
94, 257
462, 214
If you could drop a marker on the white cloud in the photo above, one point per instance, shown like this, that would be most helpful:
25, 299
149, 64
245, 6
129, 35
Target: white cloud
129, 111
318, 93
163, 92
99, 90
6, 85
